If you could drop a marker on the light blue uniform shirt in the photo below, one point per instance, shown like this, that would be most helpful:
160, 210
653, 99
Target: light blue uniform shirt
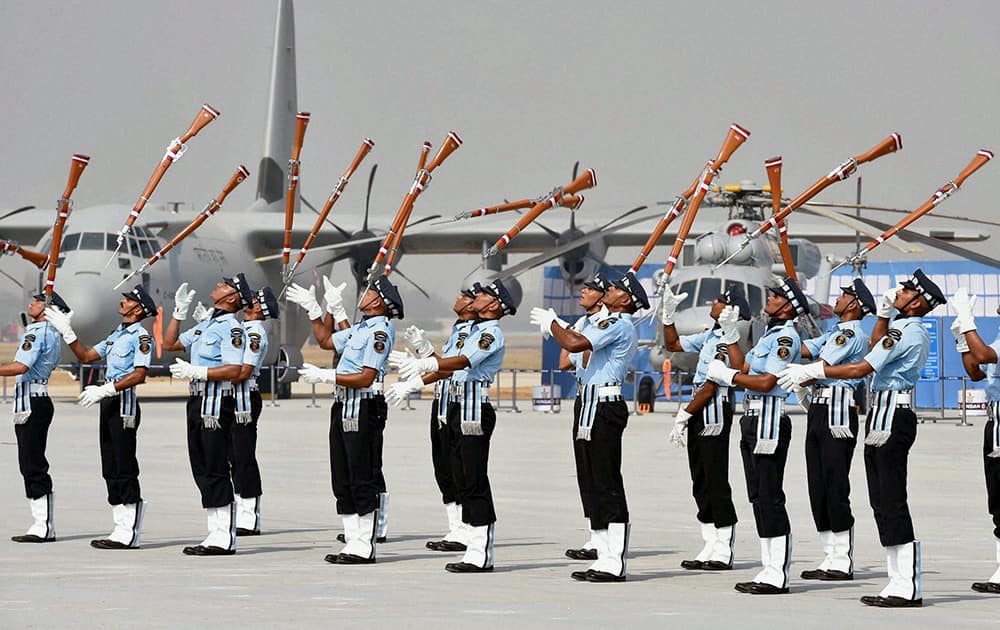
216, 341
484, 348
709, 347
460, 331
847, 343
899, 356
993, 374
126, 348
256, 345
779, 347
39, 350
613, 343
365, 344
576, 358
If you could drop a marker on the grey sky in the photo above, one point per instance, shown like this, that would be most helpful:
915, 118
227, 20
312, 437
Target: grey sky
641, 91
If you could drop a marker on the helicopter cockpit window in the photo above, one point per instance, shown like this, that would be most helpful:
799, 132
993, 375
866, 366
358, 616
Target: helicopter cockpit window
686, 287
92, 240
755, 297
144, 247
710, 289
70, 242
110, 242
133, 247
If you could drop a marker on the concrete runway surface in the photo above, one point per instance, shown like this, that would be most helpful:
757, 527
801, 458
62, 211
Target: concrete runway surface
279, 579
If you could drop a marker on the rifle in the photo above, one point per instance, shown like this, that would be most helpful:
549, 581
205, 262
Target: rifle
10, 248
76, 166
847, 168
587, 180
982, 157
174, 152
301, 120
773, 167
366, 146
210, 208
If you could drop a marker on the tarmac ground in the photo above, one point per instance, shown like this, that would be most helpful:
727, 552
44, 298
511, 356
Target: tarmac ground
279, 579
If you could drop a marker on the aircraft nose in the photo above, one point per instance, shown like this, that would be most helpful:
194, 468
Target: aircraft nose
95, 313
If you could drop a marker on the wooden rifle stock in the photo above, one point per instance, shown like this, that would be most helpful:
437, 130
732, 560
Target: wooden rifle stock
301, 120
773, 167
735, 138
76, 166
363, 151
982, 157
38, 259
586, 180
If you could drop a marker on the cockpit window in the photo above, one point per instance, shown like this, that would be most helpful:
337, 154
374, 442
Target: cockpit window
144, 247
110, 242
133, 247
92, 240
710, 289
70, 242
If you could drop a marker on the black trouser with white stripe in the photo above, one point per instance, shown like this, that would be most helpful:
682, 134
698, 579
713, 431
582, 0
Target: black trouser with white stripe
828, 468
470, 457
886, 470
243, 452
119, 466
708, 460
351, 471
441, 456
602, 465
32, 436
208, 452
765, 475
991, 466
581, 458
379, 412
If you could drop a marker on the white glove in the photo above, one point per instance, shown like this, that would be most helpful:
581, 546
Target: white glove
678, 436
669, 302
885, 307
94, 393
398, 392
201, 313
543, 318
961, 345
398, 357
418, 341
802, 397
306, 298
334, 296
717, 372
182, 369
729, 319
312, 374
964, 304
61, 322
796, 374
413, 367
182, 301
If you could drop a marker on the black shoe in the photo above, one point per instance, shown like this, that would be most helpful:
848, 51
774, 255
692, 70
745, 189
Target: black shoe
692, 565
445, 545
581, 576
581, 554
870, 600
31, 538
201, 550
107, 543
243, 531
465, 567
763, 588
833, 575
986, 587
813, 574
381, 539
341, 539
332, 558
604, 576
350, 558
715, 565
896, 602
743, 587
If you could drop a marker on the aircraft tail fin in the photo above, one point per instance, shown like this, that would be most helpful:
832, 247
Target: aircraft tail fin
281, 110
